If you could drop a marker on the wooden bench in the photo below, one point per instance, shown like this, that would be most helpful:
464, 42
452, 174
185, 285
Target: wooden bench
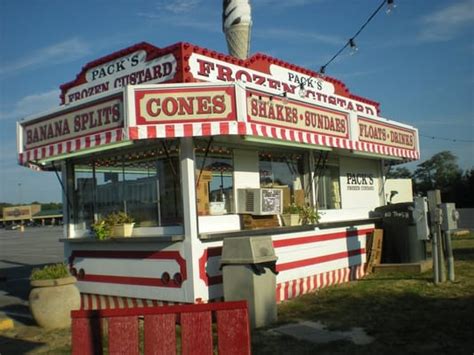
160, 328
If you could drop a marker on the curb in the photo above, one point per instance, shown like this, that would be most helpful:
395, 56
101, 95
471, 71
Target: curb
6, 324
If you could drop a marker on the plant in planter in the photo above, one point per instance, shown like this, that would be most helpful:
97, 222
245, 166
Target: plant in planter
115, 224
309, 215
53, 296
295, 215
291, 215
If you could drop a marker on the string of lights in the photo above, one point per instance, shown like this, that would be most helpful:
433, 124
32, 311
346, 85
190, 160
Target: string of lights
351, 42
448, 139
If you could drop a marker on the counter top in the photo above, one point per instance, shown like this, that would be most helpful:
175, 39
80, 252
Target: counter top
284, 230
160, 239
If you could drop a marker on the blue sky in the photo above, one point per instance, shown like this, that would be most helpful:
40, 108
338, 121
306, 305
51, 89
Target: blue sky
417, 61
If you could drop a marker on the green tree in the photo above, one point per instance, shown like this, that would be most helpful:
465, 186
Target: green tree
441, 172
399, 173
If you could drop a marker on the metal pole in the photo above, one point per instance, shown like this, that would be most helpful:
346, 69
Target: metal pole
434, 252
442, 265
449, 252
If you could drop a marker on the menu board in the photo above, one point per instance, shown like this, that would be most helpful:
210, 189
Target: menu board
271, 200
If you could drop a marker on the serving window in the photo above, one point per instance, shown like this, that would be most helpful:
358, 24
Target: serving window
327, 182
214, 178
288, 171
144, 183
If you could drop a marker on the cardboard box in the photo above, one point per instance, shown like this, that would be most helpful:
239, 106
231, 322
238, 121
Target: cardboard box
202, 192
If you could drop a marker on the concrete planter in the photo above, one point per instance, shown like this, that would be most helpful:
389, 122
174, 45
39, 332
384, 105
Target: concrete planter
122, 230
51, 301
291, 219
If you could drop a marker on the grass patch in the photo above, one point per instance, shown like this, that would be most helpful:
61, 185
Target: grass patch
404, 312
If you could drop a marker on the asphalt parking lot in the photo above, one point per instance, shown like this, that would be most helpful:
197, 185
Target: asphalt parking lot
20, 252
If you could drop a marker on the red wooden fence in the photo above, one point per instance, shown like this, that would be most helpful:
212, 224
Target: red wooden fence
159, 330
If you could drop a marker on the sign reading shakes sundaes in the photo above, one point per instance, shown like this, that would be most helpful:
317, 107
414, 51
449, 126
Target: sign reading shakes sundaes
87, 120
386, 134
184, 105
274, 111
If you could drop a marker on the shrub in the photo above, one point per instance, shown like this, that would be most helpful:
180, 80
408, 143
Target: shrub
50, 272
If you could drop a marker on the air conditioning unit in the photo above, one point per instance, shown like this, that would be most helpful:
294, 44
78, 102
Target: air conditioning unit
260, 201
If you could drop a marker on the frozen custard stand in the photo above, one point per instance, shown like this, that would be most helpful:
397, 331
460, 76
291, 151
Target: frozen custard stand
198, 146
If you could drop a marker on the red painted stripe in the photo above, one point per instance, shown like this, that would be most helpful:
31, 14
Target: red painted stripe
119, 134
97, 139
89, 301
224, 128
206, 129
133, 133
254, 130
170, 131
108, 137
292, 135
273, 132
318, 259
112, 254
320, 238
134, 302
293, 289
87, 141
68, 146
60, 149
127, 280
242, 128
188, 130
285, 293
151, 131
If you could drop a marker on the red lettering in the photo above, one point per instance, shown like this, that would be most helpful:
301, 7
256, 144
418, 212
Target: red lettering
205, 67
153, 107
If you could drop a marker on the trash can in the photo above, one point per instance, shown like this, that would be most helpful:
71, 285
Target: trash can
249, 273
401, 242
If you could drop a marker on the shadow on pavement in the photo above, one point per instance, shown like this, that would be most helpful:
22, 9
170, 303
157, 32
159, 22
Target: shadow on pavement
12, 346
14, 290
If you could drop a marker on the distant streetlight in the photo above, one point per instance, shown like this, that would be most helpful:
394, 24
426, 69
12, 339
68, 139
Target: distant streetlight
19, 193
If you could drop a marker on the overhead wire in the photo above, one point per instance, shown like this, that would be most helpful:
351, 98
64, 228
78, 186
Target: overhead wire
351, 41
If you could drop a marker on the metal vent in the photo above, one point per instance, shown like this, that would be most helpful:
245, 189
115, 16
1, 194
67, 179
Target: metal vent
249, 200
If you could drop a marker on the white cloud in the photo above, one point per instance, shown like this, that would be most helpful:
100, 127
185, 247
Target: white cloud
284, 4
61, 52
297, 35
32, 104
447, 23
177, 6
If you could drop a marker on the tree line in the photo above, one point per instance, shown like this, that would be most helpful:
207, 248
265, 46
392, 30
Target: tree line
441, 172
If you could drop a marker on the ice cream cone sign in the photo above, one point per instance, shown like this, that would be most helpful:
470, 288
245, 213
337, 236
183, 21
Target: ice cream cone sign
237, 24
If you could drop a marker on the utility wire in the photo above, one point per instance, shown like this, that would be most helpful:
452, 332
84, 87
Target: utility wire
351, 42
448, 139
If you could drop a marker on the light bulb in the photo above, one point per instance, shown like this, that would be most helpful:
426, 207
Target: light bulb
391, 6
